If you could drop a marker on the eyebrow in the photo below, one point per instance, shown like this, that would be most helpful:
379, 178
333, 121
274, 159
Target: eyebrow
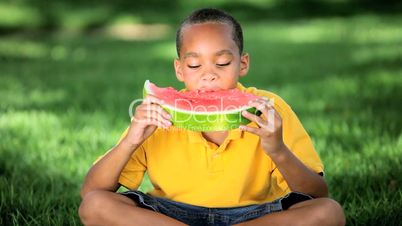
219, 53
190, 54
223, 52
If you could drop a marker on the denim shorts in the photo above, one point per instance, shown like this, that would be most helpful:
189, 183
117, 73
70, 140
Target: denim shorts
202, 216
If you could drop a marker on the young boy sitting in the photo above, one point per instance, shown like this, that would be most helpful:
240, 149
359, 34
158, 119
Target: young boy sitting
263, 173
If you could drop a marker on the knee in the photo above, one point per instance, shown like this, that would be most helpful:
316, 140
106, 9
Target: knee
90, 207
331, 213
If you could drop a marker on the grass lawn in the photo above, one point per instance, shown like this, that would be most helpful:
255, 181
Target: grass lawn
64, 101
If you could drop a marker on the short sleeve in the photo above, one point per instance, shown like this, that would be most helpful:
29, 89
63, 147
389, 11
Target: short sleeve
133, 173
298, 141
294, 135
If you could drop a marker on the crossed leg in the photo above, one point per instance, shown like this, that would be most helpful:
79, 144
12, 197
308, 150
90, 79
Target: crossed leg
109, 208
320, 212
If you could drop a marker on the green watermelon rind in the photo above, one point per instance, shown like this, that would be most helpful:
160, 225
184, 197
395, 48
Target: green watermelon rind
205, 121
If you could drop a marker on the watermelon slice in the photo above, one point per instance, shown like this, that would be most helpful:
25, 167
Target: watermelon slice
204, 110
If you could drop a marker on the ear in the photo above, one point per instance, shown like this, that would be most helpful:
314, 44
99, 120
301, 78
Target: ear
244, 64
177, 68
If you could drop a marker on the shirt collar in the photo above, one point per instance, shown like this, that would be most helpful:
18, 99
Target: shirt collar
196, 137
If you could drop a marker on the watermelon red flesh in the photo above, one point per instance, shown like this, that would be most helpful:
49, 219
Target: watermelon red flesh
203, 101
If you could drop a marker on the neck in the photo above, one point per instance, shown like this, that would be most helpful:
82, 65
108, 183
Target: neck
216, 137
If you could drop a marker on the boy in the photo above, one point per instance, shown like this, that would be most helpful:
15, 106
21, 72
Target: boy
264, 173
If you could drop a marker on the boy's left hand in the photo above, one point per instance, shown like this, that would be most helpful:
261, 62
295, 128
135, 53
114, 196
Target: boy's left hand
269, 126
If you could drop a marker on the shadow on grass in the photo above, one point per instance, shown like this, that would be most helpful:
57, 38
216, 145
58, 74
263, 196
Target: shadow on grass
390, 64
88, 15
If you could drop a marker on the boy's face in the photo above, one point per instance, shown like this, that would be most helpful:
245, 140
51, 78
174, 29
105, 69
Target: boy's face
209, 58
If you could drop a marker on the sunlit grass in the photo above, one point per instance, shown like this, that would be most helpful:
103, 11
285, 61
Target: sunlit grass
360, 29
17, 15
22, 48
78, 19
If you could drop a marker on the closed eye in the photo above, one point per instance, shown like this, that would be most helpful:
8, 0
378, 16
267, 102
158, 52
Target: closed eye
222, 65
193, 66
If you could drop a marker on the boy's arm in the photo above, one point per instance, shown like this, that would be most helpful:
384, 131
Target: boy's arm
297, 175
104, 175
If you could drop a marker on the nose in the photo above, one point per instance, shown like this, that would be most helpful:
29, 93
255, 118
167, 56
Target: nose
209, 76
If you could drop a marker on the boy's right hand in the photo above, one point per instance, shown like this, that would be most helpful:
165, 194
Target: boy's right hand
147, 117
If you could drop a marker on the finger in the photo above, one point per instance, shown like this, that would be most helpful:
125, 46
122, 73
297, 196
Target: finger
273, 119
260, 100
267, 109
157, 108
260, 104
268, 113
268, 101
263, 101
151, 114
271, 114
150, 99
254, 118
154, 121
267, 126
249, 129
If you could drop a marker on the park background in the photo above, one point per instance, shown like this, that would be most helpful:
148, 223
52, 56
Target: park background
69, 70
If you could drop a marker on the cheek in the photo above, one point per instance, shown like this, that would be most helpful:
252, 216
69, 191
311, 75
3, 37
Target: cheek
189, 76
188, 73
232, 72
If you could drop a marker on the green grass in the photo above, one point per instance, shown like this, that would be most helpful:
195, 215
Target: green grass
64, 102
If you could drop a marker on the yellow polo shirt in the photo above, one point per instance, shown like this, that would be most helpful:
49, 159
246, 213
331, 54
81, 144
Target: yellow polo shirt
184, 167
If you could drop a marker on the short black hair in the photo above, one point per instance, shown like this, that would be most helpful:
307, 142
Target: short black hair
214, 16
